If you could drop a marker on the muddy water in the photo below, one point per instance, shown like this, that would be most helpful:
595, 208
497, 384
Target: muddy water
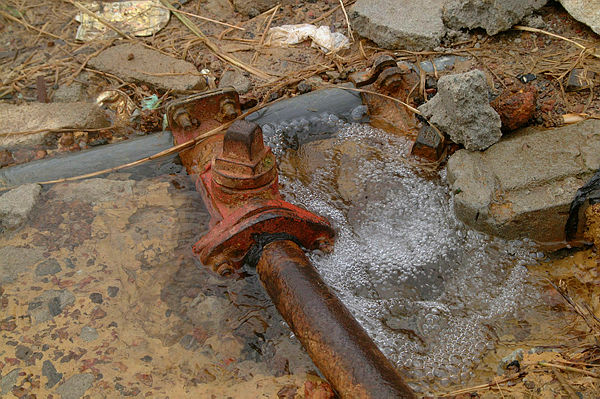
101, 296
443, 302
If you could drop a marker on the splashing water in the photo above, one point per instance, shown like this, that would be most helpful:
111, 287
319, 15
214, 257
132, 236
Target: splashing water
425, 287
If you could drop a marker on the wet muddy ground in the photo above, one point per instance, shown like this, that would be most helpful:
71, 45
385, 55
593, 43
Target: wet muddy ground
102, 298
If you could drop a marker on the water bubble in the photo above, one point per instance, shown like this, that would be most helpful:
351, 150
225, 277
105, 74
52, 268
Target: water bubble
400, 254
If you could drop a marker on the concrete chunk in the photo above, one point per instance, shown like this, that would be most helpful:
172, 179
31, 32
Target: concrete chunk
492, 15
462, 110
39, 116
136, 63
523, 185
586, 11
399, 24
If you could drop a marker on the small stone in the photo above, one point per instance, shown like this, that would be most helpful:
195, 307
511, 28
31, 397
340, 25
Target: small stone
304, 87
76, 386
237, 80
8, 381
147, 359
50, 372
96, 297
88, 334
49, 304
580, 79
428, 145
461, 110
23, 352
47, 267
17, 204
516, 108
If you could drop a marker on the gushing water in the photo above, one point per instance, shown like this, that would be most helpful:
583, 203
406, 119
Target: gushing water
426, 288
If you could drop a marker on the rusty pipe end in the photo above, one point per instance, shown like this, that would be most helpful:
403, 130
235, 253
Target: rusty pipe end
336, 343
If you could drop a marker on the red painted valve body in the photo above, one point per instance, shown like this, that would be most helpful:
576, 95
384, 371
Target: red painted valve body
238, 182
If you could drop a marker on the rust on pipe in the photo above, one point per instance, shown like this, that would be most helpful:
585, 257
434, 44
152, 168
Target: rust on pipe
336, 343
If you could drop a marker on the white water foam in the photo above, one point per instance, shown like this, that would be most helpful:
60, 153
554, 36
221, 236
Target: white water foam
424, 286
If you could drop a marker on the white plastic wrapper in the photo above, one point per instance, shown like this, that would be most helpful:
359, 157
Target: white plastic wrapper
321, 36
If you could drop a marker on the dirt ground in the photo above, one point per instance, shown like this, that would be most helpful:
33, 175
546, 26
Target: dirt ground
37, 44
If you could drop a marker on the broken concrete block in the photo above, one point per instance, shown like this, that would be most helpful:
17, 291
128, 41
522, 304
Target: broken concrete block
586, 11
461, 109
136, 63
39, 116
494, 16
523, 185
17, 204
399, 24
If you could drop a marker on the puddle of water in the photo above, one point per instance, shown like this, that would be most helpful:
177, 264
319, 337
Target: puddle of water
435, 296
103, 287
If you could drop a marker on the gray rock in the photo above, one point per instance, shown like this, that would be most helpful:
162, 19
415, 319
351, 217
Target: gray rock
49, 304
534, 21
17, 204
523, 185
492, 15
15, 260
88, 334
461, 109
253, 8
8, 381
38, 116
399, 24
23, 352
237, 80
136, 63
50, 372
112, 291
586, 11
47, 267
75, 387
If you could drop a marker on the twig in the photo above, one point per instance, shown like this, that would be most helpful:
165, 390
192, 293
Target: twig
28, 26
500, 389
264, 34
212, 46
565, 385
536, 30
483, 386
568, 368
347, 20
60, 130
322, 17
101, 20
201, 17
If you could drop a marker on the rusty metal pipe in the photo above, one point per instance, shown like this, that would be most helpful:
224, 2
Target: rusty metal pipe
336, 343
